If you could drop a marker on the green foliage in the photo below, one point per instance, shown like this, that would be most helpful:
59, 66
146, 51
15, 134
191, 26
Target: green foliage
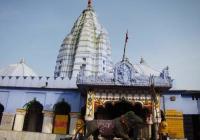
33, 104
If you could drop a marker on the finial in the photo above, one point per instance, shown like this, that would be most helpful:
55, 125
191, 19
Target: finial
142, 60
89, 3
22, 61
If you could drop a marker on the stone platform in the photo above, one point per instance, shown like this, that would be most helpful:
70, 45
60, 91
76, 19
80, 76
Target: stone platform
18, 135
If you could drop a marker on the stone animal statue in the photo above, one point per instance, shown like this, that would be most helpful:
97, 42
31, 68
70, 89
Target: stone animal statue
118, 127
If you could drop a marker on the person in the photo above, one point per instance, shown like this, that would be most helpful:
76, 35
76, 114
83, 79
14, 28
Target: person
79, 124
163, 127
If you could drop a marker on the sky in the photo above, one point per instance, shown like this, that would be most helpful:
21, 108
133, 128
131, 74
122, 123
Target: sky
163, 32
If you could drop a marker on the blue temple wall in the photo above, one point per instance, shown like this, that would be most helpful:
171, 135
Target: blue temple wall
198, 104
13, 98
16, 98
183, 102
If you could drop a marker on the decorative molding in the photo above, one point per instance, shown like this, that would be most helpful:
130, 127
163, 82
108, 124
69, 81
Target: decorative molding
125, 74
90, 105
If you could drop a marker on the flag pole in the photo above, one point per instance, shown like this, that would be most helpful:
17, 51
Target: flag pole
154, 111
125, 44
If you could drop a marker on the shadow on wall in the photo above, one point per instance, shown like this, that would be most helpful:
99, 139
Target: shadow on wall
1, 111
73, 98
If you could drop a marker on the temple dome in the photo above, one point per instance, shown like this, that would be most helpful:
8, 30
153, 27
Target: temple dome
144, 69
19, 69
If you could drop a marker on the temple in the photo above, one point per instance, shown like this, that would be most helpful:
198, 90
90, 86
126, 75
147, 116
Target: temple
86, 85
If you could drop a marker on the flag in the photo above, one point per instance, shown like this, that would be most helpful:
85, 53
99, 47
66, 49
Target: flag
89, 3
126, 39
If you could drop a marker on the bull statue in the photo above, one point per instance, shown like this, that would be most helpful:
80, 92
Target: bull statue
118, 127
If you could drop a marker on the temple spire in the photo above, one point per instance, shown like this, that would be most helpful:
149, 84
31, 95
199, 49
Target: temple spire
125, 44
82, 34
89, 3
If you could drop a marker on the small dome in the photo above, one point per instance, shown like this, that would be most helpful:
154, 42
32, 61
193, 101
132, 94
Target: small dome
19, 69
145, 69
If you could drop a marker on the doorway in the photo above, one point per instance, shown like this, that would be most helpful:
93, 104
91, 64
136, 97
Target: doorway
34, 117
1, 111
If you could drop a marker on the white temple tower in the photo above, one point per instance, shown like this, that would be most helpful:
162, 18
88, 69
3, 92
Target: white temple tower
86, 47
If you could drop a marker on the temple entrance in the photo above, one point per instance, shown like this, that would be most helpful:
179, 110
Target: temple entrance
106, 102
112, 109
34, 117
62, 117
1, 111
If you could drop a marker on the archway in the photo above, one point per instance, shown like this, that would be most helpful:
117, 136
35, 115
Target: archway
100, 113
1, 111
34, 117
122, 106
62, 110
113, 109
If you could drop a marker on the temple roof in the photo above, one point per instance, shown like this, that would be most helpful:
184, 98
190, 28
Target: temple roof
19, 69
126, 74
145, 69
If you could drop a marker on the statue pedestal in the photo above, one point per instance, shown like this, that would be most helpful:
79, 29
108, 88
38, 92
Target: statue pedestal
19, 119
47, 125
73, 120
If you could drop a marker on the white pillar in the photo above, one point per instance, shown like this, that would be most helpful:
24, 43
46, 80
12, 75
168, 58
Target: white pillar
156, 119
7, 121
73, 120
150, 122
47, 125
19, 119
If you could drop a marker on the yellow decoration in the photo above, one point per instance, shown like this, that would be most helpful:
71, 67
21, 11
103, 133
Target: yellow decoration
175, 124
79, 124
90, 105
60, 124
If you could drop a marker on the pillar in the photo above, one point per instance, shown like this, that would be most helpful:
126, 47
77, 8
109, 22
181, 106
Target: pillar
156, 119
90, 106
73, 120
47, 125
19, 119
149, 123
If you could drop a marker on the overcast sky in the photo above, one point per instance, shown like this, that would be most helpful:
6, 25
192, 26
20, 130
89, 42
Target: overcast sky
163, 32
